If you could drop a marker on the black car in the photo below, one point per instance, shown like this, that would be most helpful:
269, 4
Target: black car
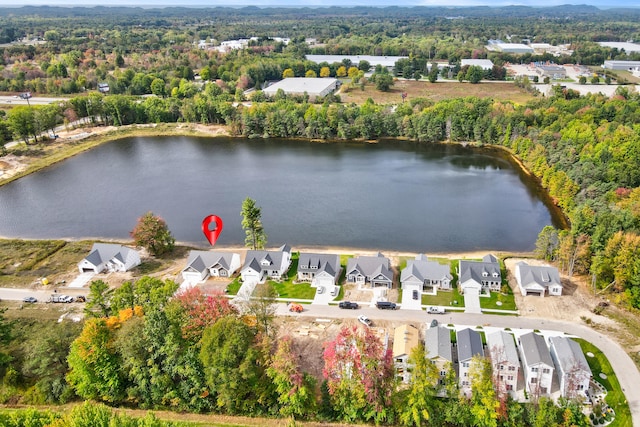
348, 305
385, 305
415, 294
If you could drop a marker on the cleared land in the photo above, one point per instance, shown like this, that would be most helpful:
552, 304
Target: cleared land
499, 91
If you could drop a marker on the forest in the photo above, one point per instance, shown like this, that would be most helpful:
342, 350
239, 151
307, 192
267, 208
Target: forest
139, 348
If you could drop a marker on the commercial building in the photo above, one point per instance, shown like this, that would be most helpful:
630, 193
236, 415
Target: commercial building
314, 87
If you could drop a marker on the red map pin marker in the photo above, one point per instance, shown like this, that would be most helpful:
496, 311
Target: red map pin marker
212, 235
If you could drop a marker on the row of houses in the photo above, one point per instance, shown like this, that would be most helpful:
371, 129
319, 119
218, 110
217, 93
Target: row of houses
528, 362
420, 274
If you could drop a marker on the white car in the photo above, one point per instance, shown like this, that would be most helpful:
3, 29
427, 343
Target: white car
320, 290
364, 320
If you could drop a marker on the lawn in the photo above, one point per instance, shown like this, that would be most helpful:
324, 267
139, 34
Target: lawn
444, 298
507, 300
615, 397
437, 92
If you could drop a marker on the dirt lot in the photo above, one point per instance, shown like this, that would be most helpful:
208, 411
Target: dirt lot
500, 91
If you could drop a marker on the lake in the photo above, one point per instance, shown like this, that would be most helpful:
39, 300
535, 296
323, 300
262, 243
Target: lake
393, 195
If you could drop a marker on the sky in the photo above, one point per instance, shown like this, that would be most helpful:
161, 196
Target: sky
603, 4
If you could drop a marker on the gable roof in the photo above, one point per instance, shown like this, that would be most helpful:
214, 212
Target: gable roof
328, 263
476, 270
469, 344
370, 266
502, 347
422, 269
272, 260
534, 350
405, 339
438, 343
569, 354
202, 260
103, 252
540, 275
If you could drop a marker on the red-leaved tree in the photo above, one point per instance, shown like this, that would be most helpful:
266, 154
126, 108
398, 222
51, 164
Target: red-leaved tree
202, 310
360, 375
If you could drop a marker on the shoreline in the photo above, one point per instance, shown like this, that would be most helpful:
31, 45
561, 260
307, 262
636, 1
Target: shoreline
322, 249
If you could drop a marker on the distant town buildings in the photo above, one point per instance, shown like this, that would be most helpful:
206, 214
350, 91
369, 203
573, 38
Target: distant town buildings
313, 87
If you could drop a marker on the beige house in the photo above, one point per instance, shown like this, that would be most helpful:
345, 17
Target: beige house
405, 339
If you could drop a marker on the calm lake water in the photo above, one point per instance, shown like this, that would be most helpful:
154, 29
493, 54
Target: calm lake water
392, 195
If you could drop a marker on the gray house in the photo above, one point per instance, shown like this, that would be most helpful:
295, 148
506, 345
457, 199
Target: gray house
469, 346
373, 271
425, 276
538, 279
480, 276
438, 348
504, 361
319, 269
537, 364
202, 264
573, 370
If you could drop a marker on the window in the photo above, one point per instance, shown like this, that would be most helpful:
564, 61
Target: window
510, 378
534, 380
466, 374
534, 369
465, 364
502, 367
465, 383
512, 368
443, 373
509, 387
546, 370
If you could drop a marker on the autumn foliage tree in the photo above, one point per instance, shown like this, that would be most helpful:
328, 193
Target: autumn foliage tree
152, 233
200, 310
295, 389
360, 375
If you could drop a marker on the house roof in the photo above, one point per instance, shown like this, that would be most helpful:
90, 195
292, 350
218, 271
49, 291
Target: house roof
329, 263
502, 347
273, 260
469, 344
534, 350
438, 343
103, 252
422, 270
480, 270
532, 275
569, 354
405, 339
370, 266
202, 260
486, 64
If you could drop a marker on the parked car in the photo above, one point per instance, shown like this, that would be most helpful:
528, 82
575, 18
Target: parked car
320, 290
348, 305
386, 305
296, 308
334, 291
414, 294
60, 298
364, 320
30, 300
81, 298
435, 310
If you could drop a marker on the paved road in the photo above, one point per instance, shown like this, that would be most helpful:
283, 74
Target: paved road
11, 294
623, 366
35, 100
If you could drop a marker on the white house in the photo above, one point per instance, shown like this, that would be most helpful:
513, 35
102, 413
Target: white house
573, 370
202, 264
319, 269
504, 361
536, 363
258, 265
109, 257
537, 280
479, 276
405, 339
469, 346
425, 276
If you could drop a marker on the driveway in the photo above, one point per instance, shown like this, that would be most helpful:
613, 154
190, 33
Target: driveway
82, 279
472, 301
325, 297
408, 303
